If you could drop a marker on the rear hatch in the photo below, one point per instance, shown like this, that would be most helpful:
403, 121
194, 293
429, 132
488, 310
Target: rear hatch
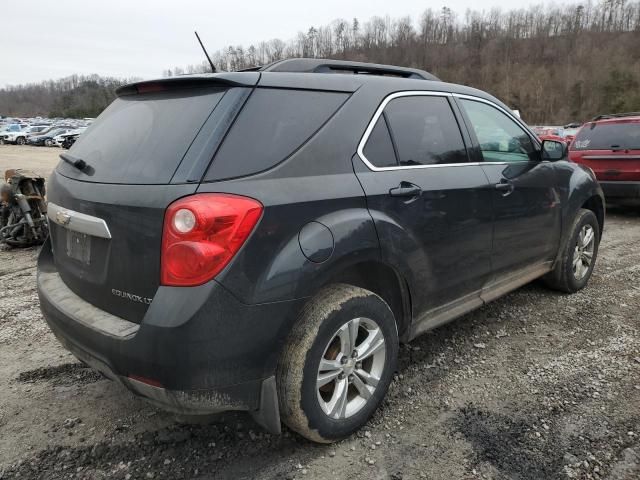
150, 147
611, 148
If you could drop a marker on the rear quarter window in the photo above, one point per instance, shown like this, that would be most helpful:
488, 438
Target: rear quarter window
608, 136
273, 124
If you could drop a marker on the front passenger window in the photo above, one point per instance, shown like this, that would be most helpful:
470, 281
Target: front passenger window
500, 138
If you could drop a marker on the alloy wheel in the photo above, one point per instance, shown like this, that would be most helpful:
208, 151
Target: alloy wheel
583, 253
350, 368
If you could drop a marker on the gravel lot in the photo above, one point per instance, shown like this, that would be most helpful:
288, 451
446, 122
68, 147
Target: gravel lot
536, 385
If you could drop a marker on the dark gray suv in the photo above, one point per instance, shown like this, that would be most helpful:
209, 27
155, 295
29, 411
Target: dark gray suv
263, 240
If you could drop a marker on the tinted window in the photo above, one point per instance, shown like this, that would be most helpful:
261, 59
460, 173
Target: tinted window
608, 136
272, 125
379, 148
142, 138
425, 131
501, 139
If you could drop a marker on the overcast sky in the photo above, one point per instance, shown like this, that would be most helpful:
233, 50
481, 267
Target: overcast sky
44, 39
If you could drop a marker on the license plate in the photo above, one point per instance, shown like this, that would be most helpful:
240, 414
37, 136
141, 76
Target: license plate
79, 246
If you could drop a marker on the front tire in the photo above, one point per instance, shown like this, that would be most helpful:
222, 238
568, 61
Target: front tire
338, 363
575, 265
48, 142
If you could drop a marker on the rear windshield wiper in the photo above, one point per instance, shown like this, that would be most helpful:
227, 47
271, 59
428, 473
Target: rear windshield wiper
74, 161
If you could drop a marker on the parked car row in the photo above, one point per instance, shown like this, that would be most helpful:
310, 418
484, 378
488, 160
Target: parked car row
564, 133
40, 135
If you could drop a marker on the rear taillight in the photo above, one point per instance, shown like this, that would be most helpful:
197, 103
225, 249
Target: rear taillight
201, 235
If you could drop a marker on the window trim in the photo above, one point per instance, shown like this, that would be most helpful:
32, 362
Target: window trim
432, 93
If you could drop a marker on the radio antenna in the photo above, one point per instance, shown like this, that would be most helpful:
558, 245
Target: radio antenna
213, 68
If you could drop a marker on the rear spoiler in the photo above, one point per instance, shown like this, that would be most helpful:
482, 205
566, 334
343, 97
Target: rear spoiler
242, 79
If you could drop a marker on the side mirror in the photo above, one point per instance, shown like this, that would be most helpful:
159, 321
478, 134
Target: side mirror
553, 150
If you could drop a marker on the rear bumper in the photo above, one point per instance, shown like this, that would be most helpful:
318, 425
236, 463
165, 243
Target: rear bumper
197, 351
621, 189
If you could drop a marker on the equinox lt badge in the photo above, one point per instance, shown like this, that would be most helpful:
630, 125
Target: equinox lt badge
131, 296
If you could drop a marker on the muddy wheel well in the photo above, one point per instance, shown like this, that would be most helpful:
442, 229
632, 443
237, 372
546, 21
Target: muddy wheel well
595, 205
384, 281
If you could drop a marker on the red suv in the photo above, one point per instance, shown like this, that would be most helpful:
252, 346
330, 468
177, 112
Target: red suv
610, 146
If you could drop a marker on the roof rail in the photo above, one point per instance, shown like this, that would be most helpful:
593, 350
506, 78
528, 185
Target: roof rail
322, 65
616, 115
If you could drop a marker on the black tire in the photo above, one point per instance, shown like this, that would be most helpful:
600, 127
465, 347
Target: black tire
563, 277
48, 142
298, 369
20, 141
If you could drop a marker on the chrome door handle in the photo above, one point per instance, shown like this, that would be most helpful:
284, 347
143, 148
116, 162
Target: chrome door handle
405, 189
505, 187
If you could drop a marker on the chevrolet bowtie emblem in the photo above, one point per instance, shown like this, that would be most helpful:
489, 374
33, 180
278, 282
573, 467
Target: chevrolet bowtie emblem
63, 218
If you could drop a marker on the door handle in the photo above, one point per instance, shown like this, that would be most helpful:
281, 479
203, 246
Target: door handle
505, 187
405, 189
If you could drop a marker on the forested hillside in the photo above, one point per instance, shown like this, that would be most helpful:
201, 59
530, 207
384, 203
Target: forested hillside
555, 64
75, 96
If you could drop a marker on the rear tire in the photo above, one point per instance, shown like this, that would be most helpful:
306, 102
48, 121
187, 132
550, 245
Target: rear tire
48, 142
575, 265
330, 401
20, 141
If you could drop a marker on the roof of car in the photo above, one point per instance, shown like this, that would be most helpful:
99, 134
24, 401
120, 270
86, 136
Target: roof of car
319, 74
617, 117
322, 65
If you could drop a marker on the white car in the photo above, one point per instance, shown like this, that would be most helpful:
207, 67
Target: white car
15, 134
58, 140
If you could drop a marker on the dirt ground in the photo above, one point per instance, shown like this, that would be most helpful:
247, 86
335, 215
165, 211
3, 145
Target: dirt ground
41, 160
537, 385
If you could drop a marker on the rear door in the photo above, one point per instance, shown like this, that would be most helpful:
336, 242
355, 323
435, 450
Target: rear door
146, 150
610, 148
431, 207
525, 196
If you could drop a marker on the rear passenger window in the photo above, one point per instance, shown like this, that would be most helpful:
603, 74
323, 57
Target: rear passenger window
425, 131
379, 148
273, 124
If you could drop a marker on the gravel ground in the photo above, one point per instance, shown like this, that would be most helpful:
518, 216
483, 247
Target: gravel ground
536, 385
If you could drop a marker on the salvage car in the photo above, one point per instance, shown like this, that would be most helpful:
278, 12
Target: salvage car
47, 139
206, 272
67, 139
10, 129
610, 146
20, 137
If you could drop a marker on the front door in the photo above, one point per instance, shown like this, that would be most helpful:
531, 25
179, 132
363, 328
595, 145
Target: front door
431, 207
526, 201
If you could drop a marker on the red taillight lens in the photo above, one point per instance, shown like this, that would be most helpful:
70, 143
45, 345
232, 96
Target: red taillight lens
201, 235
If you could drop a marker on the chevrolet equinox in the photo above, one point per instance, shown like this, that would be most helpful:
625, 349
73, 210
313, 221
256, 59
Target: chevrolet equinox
263, 240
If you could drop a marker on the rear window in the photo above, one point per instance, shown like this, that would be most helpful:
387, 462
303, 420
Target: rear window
141, 139
273, 124
608, 136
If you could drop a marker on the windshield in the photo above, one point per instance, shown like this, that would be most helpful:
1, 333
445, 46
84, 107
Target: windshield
608, 136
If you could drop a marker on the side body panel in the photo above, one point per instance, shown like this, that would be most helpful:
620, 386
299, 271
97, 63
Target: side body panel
440, 241
528, 220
